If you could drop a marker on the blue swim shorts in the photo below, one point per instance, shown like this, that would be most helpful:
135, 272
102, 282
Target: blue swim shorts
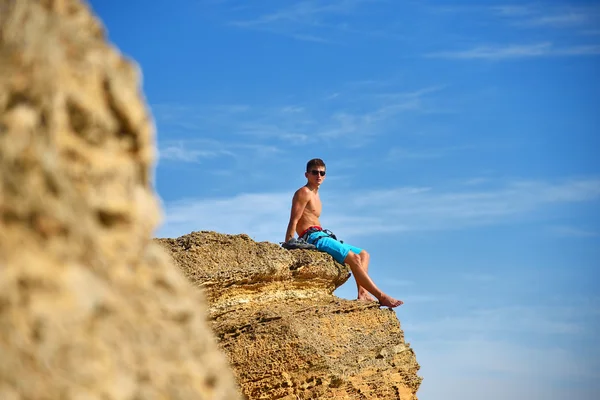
337, 249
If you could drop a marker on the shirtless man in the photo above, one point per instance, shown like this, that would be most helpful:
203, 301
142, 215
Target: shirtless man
304, 220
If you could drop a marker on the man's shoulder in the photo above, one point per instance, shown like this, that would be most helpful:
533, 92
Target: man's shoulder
303, 192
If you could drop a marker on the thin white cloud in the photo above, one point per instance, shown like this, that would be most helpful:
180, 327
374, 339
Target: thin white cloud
559, 20
496, 53
478, 277
476, 181
570, 231
511, 10
498, 322
549, 16
297, 21
262, 216
368, 83
519, 351
312, 38
180, 153
545, 49
358, 116
392, 105
415, 94
311, 21
259, 150
285, 31
303, 12
414, 209
399, 153
170, 111
482, 368
563, 26
516, 351
292, 109
199, 150
581, 50
273, 127
403, 209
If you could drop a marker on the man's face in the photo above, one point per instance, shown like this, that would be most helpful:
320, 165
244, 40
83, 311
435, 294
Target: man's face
315, 175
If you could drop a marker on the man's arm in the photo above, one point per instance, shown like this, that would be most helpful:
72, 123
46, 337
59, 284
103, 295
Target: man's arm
299, 202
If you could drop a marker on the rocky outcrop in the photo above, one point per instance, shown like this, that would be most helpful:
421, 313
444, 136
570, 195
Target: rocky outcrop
286, 335
90, 307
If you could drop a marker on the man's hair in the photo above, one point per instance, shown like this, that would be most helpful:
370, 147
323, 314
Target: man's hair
315, 162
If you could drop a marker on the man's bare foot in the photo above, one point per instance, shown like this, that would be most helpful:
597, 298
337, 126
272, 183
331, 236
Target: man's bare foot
365, 297
387, 301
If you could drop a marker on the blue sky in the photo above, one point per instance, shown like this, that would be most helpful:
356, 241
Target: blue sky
461, 141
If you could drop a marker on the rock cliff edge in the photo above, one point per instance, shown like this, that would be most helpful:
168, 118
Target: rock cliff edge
286, 335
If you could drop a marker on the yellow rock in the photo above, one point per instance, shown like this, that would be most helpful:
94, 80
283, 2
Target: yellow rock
285, 333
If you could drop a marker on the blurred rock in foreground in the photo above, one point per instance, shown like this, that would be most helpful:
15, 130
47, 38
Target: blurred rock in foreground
90, 307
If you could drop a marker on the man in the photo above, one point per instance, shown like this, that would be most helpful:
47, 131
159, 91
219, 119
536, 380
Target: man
304, 220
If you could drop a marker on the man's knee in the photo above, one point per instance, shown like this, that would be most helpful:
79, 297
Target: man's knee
364, 256
353, 258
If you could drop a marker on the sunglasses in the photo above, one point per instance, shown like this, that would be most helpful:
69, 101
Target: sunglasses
317, 172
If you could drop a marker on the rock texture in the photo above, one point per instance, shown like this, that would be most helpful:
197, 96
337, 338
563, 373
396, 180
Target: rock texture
90, 307
286, 335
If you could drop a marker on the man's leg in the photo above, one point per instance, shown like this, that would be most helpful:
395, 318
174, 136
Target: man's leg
363, 280
363, 294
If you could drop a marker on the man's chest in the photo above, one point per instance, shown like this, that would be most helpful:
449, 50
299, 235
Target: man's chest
315, 206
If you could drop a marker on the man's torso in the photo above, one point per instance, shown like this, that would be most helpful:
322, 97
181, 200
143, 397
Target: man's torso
310, 215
